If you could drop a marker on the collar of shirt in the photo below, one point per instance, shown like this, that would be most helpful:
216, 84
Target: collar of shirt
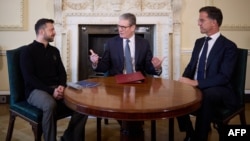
211, 42
40, 45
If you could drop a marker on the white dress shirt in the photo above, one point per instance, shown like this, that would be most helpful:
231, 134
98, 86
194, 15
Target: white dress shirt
211, 42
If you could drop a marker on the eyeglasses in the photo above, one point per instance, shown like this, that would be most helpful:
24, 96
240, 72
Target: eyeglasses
123, 27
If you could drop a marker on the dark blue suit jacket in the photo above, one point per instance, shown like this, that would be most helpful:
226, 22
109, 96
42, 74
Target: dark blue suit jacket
113, 57
220, 63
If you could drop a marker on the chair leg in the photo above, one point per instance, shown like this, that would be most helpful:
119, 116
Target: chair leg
243, 118
153, 130
221, 129
99, 128
11, 126
37, 130
106, 121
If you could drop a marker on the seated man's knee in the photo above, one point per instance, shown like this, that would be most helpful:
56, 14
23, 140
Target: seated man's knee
50, 105
213, 93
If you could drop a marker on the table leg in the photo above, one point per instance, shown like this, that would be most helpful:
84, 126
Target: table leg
99, 129
171, 129
153, 130
132, 131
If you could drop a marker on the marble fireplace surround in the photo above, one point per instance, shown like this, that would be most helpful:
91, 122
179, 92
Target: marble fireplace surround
163, 14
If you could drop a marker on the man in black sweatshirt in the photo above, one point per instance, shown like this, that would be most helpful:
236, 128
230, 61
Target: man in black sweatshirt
45, 80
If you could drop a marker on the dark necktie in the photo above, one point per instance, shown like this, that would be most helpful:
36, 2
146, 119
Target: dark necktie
128, 60
202, 62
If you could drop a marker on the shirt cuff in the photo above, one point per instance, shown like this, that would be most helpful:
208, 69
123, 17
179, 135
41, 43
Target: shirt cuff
94, 66
158, 71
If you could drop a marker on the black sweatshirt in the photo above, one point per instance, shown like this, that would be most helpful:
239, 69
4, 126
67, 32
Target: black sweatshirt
42, 68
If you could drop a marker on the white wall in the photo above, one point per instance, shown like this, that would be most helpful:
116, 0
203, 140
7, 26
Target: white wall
36, 9
236, 17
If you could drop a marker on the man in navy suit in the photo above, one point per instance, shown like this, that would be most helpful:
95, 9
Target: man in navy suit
113, 59
215, 82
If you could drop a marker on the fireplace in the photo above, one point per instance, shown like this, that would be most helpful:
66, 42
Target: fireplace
79, 22
94, 37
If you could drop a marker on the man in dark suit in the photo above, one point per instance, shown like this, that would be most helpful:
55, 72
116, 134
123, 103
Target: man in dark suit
113, 60
213, 79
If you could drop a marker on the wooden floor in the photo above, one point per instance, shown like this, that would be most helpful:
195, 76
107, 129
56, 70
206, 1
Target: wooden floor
110, 132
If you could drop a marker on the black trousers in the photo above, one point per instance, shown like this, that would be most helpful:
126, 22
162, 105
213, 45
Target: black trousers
211, 99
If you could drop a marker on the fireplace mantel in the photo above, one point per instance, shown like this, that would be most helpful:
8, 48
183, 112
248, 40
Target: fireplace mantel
164, 14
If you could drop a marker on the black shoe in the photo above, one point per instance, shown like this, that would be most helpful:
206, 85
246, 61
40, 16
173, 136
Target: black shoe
187, 138
210, 129
189, 135
61, 139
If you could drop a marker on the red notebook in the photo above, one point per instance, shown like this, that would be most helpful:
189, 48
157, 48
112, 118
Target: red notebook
136, 77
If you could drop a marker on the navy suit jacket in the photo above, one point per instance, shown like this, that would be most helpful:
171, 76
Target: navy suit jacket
216, 87
220, 63
112, 60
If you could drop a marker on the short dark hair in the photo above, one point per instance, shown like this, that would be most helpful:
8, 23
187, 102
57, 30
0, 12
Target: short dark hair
130, 17
41, 23
213, 13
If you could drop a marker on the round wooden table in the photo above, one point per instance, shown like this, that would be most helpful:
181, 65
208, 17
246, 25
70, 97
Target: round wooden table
155, 98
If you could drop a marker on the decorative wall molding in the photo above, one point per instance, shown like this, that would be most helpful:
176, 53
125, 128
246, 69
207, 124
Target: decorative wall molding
189, 51
235, 27
98, 14
186, 51
68, 55
4, 92
2, 52
76, 5
155, 4
18, 19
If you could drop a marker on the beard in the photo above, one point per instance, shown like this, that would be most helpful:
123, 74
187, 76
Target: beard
49, 38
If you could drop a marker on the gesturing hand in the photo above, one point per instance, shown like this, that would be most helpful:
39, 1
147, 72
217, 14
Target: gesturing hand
157, 62
94, 57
